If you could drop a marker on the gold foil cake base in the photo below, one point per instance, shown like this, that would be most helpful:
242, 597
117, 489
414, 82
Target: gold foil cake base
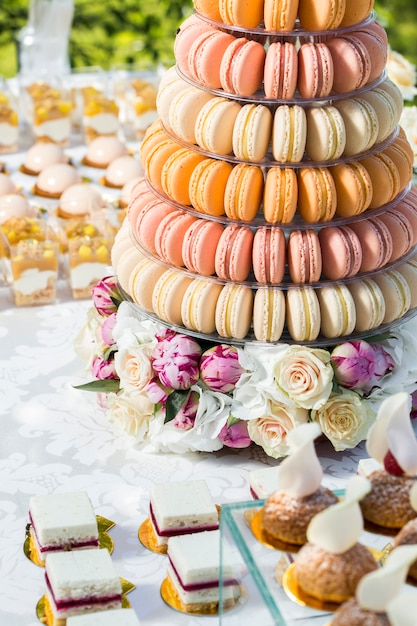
43, 610
380, 530
148, 539
104, 540
258, 533
296, 594
171, 598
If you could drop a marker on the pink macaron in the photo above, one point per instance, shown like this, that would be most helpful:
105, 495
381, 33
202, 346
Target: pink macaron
169, 236
242, 67
199, 246
191, 28
233, 260
281, 70
268, 255
304, 256
315, 70
205, 57
376, 243
341, 252
401, 233
147, 222
351, 61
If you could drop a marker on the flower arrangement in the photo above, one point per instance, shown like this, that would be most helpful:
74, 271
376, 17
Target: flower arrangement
176, 394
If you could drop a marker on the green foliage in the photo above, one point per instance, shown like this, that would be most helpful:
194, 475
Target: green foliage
143, 31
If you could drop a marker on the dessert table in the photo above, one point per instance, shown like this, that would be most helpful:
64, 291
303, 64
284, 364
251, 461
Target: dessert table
57, 438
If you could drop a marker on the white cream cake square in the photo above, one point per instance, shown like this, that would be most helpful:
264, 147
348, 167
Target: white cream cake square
81, 581
181, 507
114, 617
263, 482
194, 568
61, 521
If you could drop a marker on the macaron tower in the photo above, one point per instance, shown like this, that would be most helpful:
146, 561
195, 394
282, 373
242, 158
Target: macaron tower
277, 203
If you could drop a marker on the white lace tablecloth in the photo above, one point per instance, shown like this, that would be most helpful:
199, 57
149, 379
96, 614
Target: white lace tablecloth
56, 438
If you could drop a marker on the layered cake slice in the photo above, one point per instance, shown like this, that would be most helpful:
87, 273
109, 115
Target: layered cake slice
179, 508
84, 581
193, 572
62, 521
263, 482
115, 617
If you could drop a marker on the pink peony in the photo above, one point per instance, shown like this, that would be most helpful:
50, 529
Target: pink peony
234, 434
102, 369
175, 360
220, 369
354, 365
156, 392
185, 418
106, 295
107, 329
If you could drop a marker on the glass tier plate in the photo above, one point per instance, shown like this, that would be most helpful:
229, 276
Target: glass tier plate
265, 568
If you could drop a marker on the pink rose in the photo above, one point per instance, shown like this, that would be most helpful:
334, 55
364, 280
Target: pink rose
175, 360
220, 368
107, 296
234, 434
102, 369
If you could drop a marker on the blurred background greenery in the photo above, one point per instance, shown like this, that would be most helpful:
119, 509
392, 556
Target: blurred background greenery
131, 31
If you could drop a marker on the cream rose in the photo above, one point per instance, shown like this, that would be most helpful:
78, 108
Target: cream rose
304, 376
131, 412
133, 366
402, 73
344, 419
270, 431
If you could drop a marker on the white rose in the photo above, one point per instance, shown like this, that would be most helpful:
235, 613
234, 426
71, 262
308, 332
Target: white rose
270, 431
344, 419
88, 343
131, 412
304, 376
402, 73
133, 366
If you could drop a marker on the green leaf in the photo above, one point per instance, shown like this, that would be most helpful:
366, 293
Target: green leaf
108, 385
174, 403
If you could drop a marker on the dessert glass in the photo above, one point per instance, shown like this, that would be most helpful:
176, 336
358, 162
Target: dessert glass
9, 120
48, 111
88, 244
135, 90
34, 271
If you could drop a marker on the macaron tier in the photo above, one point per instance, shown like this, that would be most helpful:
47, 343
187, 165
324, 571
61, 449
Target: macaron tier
274, 15
291, 66
270, 214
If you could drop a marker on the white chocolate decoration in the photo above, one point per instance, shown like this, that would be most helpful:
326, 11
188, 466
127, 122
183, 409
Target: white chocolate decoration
337, 528
301, 472
402, 610
376, 589
392, 431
